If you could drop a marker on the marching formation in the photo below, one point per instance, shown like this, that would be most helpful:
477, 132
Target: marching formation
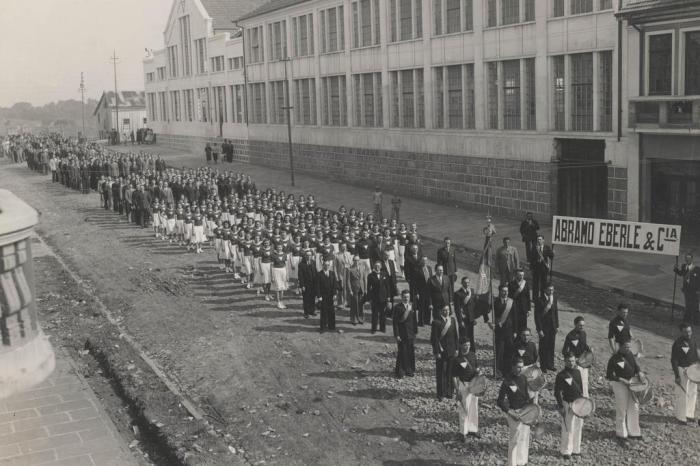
275, 242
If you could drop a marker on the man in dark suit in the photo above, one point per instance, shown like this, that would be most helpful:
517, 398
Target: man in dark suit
411, 269
307, 283
327, 286
466, 311
444, 337
504, 328
405, 329
439, 291
541, 266
378, 295
690, 288
420, 278
389, 267
446, 257
519, 292
528, 230
547, 323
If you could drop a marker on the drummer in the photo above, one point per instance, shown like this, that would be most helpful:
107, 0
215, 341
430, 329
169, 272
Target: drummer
685, 353
465, 369
619, 328
576, 344
514, 395
567, 388
622, 367
525, 349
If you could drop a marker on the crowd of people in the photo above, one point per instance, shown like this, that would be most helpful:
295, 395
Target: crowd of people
277, 243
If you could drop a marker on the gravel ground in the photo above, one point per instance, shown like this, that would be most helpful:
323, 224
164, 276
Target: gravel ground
279, 393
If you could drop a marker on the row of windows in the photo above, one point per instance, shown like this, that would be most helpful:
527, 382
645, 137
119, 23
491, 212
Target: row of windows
219, 104
581, 98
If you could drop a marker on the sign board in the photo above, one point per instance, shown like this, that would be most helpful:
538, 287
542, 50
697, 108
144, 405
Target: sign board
650, 238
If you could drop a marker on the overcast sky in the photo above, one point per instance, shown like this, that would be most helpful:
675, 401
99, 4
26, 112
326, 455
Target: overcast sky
45, 44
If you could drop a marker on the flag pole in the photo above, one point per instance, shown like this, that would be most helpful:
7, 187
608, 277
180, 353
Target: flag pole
493, 311
675, 282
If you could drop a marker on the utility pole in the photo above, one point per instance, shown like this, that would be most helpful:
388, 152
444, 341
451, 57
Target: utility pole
288, 107
114, 58
82, 98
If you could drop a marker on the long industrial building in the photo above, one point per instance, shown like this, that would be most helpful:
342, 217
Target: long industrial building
572, 107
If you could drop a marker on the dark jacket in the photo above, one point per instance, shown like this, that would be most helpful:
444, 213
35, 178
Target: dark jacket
447, 344
378, 288
307, 275
439, 295
447, 260
326, 285
546, 321
405, 329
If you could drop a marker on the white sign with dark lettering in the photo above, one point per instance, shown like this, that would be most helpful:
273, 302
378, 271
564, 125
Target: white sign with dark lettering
650, 238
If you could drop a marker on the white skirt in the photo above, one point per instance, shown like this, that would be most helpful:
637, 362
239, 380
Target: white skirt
257, 271
248, 265
179, 227
266, 271
198, 231
156, 220
188, 231
279, 279
171, 226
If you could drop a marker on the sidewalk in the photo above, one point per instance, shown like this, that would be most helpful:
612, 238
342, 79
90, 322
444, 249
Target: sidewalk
639, 275
59, 422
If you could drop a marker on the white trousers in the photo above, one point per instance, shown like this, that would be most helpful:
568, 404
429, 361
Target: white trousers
571, 430
626, 411
584, 380
468, 409
686, 400
518, 442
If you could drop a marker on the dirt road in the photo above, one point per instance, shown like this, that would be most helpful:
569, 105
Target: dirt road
285, 394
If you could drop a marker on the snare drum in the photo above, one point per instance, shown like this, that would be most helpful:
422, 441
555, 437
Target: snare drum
583, 407
693, 372
586, 360
477, 386
535, 378
530, 414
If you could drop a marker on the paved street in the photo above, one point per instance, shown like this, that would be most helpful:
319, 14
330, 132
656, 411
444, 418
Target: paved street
646, 275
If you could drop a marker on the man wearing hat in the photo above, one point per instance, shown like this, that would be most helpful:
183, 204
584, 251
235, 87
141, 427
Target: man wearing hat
464, 371
513, 396
684, 353
567, 388
405, 325
622, 366
575, 343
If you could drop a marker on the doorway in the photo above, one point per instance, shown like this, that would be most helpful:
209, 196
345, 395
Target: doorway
582, 178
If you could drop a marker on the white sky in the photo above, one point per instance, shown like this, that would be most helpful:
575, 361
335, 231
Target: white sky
45, 44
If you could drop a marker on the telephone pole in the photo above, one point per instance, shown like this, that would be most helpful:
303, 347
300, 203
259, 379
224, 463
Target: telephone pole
288, 107
82, 98
114, 58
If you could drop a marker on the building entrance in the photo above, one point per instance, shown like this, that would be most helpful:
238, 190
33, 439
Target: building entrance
582, 178
675, 193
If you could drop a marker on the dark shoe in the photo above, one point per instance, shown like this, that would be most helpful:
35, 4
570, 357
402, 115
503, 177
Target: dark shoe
636, 437
464, 438
576, 454
476, 435
306, 316
373, 332
411, 374
566, 457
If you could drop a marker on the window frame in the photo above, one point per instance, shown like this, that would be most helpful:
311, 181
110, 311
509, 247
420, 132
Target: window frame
647, 36
682, 44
